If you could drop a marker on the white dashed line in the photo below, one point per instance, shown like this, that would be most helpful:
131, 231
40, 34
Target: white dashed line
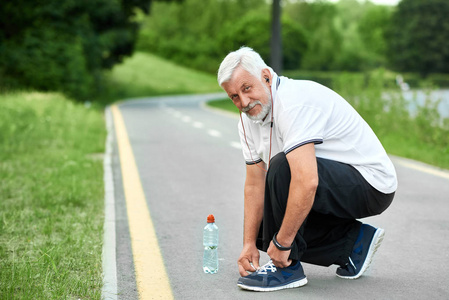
186, 119
236, 145
214, 133
168, 109
197, 124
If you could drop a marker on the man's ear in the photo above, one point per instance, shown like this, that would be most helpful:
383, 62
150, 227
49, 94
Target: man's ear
266, 76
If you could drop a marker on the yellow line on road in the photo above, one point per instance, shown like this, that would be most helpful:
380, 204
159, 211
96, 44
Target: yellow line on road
423, 168
151, 276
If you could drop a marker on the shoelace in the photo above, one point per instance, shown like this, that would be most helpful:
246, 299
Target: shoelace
269, 266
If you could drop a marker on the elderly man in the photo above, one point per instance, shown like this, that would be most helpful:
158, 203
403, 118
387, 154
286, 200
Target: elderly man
313, 166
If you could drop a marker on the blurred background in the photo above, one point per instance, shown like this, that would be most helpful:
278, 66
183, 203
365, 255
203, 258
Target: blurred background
388, 58
63, 61
68, 45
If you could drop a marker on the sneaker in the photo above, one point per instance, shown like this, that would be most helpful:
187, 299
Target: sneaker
367, 243
269, 278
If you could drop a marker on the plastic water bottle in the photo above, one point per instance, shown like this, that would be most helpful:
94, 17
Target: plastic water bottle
210, 242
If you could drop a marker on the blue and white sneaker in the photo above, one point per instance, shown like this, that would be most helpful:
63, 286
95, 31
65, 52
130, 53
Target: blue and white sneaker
365, 247
269, 278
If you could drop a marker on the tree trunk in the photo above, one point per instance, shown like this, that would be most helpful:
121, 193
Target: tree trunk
276, 40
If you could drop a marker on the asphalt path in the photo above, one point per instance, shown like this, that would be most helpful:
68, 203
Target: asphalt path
190, 165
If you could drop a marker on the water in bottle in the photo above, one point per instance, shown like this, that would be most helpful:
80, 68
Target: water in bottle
210, 242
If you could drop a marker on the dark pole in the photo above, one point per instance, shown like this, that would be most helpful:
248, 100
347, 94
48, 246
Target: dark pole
276, 40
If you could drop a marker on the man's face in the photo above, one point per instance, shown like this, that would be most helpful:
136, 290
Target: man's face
250, 94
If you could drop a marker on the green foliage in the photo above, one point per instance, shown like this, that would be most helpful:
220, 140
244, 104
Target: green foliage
418, 38
45, 59
202, 40
253, 30
328, 78
348, 35
422, 135
372, 27
185, 33
225, 104
144, 75
64, 45
51, 210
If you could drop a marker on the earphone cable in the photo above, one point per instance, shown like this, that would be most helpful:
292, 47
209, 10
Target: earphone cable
271, 132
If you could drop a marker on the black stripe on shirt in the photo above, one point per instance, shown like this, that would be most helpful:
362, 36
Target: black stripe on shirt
254, 162
315, 141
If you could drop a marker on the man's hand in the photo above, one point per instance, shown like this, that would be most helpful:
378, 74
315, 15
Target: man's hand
250, 255
279, 258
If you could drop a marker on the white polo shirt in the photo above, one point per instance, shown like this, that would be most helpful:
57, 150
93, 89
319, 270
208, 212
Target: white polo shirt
307, 112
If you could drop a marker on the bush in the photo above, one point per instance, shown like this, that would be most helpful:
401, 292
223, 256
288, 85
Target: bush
202, 41
64, 45
418, 37
254, 30
414, 80
419, 135
48, 60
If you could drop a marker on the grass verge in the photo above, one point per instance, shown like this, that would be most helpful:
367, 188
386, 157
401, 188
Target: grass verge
51, 188
51, 208
145, 74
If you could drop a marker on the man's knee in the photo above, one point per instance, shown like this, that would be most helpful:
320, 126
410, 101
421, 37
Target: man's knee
279, 167
278, 179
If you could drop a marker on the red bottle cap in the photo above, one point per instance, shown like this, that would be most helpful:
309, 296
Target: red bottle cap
210, 219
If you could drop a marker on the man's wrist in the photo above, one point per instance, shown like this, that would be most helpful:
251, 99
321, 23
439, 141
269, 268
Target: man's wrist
249, 243
281, 246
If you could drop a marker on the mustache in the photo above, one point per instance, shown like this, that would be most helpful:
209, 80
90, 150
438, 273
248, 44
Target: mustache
250, 106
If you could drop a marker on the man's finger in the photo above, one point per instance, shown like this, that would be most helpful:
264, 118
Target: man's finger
252, 266
256, 265
242, 271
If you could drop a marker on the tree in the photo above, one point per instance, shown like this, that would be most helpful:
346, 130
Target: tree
418, 36
253, 30
324, 41
276, 37
201, 41
65, 44
178, 31
372, 28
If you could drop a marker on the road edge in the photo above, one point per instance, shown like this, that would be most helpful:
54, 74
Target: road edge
109, 261
420, 166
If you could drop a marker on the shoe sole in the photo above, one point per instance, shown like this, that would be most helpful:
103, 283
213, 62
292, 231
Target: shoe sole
375, 244
291, 285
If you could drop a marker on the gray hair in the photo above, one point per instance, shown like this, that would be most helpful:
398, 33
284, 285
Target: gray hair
245, 57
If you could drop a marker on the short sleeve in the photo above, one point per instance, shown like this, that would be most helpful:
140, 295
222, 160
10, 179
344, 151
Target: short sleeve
248, 147
301, 125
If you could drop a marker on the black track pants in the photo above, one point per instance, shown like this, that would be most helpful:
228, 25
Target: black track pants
331, 229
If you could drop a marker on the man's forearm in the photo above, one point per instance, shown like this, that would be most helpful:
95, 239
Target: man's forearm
303, 185
253, 213
299, 203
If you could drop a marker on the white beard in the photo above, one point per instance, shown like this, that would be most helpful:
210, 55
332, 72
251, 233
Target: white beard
265, 108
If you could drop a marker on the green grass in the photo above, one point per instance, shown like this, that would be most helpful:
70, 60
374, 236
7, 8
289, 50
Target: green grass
423, 136
225, 104
144, 74
51, 191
